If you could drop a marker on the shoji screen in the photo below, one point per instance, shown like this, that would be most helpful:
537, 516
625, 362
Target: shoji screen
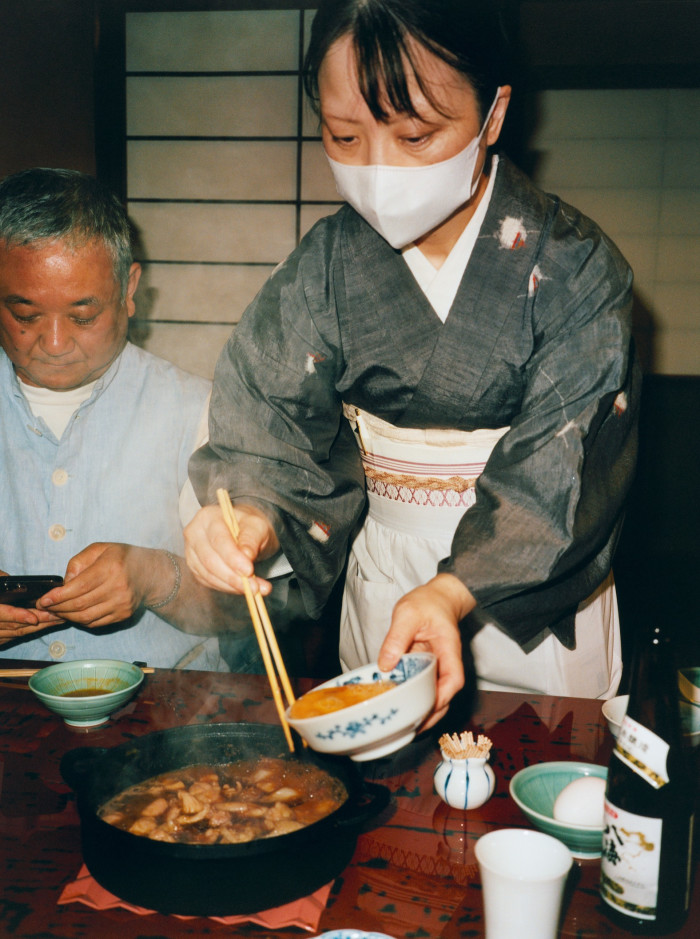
224, 168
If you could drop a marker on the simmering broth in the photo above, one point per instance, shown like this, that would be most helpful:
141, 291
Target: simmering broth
226, 804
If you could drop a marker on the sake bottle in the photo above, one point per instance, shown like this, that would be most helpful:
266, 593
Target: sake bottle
646, 861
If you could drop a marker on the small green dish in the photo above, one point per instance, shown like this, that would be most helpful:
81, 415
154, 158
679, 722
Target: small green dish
535, 789
85, 692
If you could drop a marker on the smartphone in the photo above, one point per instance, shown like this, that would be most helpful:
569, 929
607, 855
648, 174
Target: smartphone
25, 591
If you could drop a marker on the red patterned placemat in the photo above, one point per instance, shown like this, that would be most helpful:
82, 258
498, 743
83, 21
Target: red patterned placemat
304, 913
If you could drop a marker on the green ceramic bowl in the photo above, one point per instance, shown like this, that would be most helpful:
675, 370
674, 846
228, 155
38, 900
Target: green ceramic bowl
84, 693
535, 789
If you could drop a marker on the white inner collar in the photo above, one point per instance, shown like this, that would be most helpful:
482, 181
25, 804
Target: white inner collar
440, 285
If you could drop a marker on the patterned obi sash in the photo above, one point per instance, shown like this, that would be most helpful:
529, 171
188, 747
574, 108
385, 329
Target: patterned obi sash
420, 481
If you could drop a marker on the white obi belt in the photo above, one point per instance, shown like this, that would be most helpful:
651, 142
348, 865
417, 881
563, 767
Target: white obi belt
420, 479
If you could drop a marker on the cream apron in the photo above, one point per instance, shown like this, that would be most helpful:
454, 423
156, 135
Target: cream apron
419, 484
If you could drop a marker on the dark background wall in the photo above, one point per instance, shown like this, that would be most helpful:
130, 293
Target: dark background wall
46, 84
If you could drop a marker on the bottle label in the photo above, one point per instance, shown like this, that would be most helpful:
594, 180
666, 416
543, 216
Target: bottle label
643, 751
629, 868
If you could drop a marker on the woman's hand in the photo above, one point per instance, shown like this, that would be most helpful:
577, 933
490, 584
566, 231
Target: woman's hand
215, 559
427, 620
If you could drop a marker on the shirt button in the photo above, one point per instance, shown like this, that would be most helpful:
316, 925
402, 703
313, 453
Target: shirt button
57, 532
59, 477
57, 649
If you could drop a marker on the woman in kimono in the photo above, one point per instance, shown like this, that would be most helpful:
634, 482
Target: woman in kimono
440, 378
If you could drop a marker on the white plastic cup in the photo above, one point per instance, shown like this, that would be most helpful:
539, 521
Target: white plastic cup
523, 874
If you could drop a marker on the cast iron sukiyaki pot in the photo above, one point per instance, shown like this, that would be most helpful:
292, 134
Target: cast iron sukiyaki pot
211, 879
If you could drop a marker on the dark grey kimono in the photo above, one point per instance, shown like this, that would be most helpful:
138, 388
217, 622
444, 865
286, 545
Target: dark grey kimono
538, 338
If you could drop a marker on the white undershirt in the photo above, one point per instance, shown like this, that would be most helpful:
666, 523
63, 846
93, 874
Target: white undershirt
55, 407
440, 285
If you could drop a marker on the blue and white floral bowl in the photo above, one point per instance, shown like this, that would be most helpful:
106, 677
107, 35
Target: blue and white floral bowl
377, 726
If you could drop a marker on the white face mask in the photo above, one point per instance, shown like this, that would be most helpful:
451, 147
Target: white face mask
404, 202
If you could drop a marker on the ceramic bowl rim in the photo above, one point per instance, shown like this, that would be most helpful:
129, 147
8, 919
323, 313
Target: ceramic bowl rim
387, 696
352, 934
561, 765
607, 704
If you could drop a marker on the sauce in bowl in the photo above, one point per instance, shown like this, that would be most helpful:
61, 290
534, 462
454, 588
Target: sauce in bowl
325, 700
88, 692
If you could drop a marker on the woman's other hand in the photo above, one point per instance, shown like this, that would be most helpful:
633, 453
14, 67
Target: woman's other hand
427, 620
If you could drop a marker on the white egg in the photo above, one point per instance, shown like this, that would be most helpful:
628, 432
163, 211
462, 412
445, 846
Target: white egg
581, 802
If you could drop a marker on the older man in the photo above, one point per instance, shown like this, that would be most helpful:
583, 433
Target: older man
95, 437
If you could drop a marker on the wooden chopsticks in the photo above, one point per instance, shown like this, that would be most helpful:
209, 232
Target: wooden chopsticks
28, 672
18, 672
264, 632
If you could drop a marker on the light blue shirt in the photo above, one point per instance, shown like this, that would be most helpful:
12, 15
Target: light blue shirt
115, 475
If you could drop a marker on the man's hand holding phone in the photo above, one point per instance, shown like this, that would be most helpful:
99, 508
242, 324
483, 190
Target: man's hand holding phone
25, 591
18, 596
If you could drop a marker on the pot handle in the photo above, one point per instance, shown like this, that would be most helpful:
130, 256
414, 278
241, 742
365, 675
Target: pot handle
370, 801
77, 764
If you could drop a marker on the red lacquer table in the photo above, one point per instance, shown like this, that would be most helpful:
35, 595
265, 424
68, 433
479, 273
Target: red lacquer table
413, 874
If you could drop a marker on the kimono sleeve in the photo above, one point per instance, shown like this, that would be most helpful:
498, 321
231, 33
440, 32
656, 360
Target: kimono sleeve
549, 503
277, 437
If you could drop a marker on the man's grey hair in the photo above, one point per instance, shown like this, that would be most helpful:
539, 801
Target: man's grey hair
45, 205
